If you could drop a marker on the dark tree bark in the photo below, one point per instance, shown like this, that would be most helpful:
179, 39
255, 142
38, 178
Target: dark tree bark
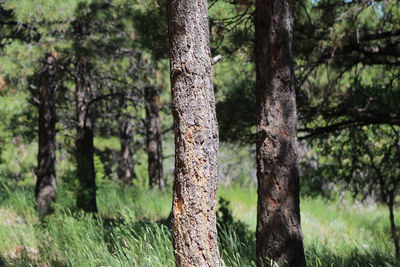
393, 227
45, 190
194, 230
86, 195
127, 167
278, 233
153, 138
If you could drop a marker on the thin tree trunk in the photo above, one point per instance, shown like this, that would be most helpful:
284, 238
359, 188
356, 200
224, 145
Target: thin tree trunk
278, 231
153, 138
393, 226
127, 170
86, 195
194, 229
45, 190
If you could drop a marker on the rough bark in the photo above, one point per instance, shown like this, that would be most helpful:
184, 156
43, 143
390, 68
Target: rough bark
127, 170
194, 230
86, 195
393, 226
278, 233
45, 190
153, 138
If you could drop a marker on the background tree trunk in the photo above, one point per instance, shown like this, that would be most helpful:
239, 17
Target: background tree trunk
127, 170
86, 195
196, 135
153, 138
393, 227
278, 231
45, 190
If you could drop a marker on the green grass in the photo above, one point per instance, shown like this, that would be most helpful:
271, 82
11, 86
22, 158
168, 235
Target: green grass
131, 230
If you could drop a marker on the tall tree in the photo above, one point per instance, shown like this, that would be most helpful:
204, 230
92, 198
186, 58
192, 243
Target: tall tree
86, 195
194, 230
153, 137
154, 42
45, 190
278, 231
84, 146
127, 135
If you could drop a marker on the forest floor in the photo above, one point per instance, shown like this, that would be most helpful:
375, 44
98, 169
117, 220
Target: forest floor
132, 229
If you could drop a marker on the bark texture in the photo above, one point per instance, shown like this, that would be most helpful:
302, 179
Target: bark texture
196, 135
278, 233
45, 190
153, 138
127, 167
86, 195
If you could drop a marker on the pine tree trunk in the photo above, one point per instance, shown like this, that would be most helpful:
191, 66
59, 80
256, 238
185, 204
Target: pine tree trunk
45, 190
127, 170
86, 195
194, 230
278, 233
393, 225
153, 138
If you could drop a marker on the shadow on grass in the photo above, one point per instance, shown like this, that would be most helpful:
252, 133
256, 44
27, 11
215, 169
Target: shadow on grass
23, 259
319, 255
236, 242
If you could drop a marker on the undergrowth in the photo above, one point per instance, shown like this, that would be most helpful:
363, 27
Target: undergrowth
132, 228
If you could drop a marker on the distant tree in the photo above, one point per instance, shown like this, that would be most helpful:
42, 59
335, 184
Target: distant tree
37, 68
155, 42
45, 189
194, 230
86, 195
99, 29
153, 137
278, 233
127, 170
365, 160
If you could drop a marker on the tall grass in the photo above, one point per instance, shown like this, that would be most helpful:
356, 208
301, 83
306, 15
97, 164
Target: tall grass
132, 229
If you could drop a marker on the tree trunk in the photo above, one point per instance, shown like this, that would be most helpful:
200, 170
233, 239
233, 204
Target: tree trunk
278, 231
127, 170
153, 138
194, 230
393, 226
86, 195
45, 190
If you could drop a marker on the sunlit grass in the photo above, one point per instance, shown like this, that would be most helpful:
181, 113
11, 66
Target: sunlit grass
152, 205
131, 230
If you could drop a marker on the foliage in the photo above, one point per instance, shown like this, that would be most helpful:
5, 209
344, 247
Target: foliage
368, 157
346, 65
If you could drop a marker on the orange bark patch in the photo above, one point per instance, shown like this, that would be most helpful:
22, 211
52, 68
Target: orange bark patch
189, 134
272, 201
283, 132
178, 206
